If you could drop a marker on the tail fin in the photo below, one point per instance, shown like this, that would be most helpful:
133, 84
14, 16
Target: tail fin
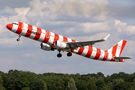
118, 48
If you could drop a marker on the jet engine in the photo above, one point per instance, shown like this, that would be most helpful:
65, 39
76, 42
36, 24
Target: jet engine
46, 47
61, 45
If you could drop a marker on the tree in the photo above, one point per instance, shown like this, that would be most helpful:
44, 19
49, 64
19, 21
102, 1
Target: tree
1, 84
117, 81
81, 85
71, 84
25, 88
100, 85
132, 88
100, 74
91, 86
13, 80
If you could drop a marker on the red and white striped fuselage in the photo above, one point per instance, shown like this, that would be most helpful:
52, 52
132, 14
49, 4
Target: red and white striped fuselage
45, 36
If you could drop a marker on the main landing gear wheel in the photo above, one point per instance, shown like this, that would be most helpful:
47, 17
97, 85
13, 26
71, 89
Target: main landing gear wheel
59, 55
69, 54
19, 38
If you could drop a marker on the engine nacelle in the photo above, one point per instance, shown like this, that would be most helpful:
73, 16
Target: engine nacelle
61, 45
46, 47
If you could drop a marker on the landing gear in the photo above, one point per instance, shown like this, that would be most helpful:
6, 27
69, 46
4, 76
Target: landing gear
59, 55
19, 38
69, 54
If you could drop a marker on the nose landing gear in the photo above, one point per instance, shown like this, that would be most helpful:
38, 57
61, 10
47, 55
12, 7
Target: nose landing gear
18, 39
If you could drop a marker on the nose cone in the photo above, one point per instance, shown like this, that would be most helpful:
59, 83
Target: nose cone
9, 26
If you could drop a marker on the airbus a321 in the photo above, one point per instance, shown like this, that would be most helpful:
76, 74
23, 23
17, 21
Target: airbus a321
51, 41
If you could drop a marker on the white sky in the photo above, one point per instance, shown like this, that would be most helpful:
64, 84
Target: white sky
77, 19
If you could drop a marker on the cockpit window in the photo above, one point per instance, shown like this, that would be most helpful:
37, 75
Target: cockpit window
15, 23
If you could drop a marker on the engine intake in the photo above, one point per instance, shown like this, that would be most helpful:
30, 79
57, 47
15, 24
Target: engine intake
46, 47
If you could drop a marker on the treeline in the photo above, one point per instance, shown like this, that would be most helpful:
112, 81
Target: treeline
24, 80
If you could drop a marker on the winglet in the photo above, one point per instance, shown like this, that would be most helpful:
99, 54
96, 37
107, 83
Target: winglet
106, 37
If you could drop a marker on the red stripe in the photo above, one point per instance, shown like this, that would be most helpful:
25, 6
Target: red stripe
20, 26
112, 59
97, 54
47, 36
105, 56
121, 60
65, 39
38, 33
29, 30
80, 51
114, 49
73, 40
55, 38
89, 52
123, 45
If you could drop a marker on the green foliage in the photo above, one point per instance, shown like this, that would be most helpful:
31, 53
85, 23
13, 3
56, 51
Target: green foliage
25, 88
71, 84
22, 80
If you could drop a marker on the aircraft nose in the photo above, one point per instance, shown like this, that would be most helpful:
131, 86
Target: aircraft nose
9, 26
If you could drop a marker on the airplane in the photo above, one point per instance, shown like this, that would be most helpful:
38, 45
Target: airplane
51, 41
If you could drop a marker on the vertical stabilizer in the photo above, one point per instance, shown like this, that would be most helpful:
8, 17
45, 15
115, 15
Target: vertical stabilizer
118, 48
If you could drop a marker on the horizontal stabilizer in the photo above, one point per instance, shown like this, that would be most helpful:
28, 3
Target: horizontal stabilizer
122, 58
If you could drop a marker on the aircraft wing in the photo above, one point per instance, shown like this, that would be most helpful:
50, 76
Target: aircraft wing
75, 45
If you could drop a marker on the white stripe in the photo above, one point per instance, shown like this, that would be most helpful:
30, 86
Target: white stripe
85, 51
14, 28
60, 38
42, 36
93, 52
69, 40
33, 33
76, 50
109, 57
51, 39
102, 55
24, 30
119, 48
110, 50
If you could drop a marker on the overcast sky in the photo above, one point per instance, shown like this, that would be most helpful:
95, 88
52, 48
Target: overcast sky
78, 19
